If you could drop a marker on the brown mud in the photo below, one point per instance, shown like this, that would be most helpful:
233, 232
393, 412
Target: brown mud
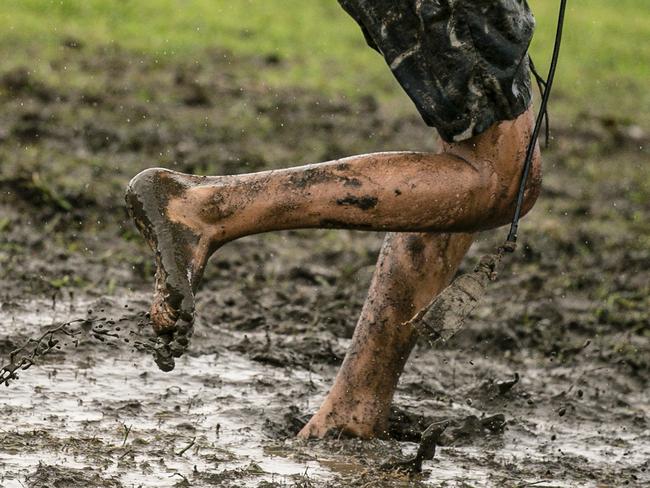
546, 385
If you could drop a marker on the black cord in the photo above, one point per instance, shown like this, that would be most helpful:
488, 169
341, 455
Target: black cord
512, 235
541, 86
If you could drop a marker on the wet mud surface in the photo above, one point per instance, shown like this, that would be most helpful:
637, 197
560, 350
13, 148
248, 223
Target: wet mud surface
547, 384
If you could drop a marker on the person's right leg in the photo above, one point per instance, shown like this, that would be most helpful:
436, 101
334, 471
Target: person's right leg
412, 268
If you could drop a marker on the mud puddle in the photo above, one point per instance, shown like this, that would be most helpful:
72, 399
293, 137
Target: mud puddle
222, 419
170, 413
85, 406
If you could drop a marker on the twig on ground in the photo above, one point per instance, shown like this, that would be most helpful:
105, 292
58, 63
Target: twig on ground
129, 451
186, 448
101, 329
127, 431
39, 348
426, 450
533, 483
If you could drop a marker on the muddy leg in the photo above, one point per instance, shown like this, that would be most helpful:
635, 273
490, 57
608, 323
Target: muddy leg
411, 269
468, 187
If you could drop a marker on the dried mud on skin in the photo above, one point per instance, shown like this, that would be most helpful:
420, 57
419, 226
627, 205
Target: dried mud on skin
546, 385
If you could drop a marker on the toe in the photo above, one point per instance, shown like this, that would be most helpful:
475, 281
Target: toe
163, 355
163, 316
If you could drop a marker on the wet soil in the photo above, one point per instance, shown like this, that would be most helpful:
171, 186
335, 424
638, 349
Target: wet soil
568, 318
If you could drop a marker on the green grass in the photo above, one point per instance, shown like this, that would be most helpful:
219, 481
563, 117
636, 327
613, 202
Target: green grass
605, 65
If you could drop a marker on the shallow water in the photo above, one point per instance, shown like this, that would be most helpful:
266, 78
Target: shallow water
74, 411
165, 412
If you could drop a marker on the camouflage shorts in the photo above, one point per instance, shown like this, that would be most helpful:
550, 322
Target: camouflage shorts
464, 63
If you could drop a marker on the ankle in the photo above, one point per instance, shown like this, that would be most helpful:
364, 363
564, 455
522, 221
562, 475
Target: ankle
205, 205
364, 416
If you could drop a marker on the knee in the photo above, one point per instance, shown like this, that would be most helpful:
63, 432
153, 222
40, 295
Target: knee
504, 200
533, 184
499, 156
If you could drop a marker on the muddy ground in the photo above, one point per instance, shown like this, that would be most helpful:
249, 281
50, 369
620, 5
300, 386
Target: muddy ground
569, 314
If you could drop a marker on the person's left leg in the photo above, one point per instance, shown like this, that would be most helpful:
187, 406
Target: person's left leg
468, 187
412, 268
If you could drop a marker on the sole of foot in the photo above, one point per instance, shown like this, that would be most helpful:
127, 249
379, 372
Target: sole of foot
176, 248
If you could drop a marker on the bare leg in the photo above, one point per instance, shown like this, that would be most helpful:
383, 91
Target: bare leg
469, 187
411, 269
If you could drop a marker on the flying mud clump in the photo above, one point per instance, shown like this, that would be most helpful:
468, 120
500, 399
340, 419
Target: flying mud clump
130, 329
446, 314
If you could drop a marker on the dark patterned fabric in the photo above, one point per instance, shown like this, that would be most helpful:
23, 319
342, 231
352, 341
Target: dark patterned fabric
464, 63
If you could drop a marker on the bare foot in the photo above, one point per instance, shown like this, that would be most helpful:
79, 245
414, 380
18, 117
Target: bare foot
350, 416
181, 252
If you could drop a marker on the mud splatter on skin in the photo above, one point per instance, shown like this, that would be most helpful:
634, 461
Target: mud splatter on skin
352, 182
217, 208
415, 247
282, 208
315, 176
365, 202
310, 177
